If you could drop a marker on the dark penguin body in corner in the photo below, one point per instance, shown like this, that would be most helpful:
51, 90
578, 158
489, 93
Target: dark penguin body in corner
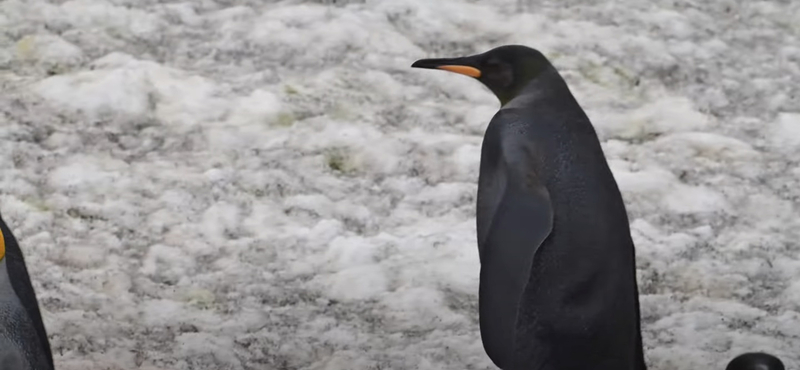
558, 287
755, 361
23, 339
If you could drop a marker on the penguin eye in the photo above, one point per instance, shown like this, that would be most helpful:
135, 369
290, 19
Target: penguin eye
493, 65
498, 73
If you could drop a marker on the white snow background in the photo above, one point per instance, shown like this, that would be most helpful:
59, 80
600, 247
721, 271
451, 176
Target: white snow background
234, 184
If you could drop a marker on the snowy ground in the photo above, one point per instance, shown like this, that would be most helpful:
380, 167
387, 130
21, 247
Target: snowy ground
243, 184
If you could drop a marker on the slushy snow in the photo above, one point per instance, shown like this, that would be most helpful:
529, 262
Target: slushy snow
236, 184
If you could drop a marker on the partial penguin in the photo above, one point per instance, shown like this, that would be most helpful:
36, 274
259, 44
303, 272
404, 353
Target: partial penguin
23, 339
755, 361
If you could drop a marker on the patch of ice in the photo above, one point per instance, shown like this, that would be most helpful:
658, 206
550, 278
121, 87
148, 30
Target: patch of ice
784, 133
121, 84
355, 284
197, 345
666, 115
101, 14
684, 199
710, 146
49, 50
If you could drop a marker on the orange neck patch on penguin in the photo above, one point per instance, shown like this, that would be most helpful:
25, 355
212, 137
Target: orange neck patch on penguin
2, 246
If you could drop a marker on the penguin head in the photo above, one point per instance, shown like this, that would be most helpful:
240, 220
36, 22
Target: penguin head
505, 70
755, 361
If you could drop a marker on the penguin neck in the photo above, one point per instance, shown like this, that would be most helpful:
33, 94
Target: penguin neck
9, 302
15, 327
10, 305
545, 83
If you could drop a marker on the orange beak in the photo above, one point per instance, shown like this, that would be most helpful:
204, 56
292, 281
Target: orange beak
458, 65
464, 70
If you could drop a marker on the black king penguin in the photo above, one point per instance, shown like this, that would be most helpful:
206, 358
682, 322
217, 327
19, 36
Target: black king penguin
558, 286
23, 339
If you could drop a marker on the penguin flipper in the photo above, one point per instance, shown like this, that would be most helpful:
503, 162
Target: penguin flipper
521, 220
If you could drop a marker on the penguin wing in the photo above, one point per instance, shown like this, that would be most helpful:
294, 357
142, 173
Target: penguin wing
516, 217
21, 283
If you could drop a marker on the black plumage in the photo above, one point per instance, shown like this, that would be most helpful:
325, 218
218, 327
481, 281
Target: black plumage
755, 361
23, 331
